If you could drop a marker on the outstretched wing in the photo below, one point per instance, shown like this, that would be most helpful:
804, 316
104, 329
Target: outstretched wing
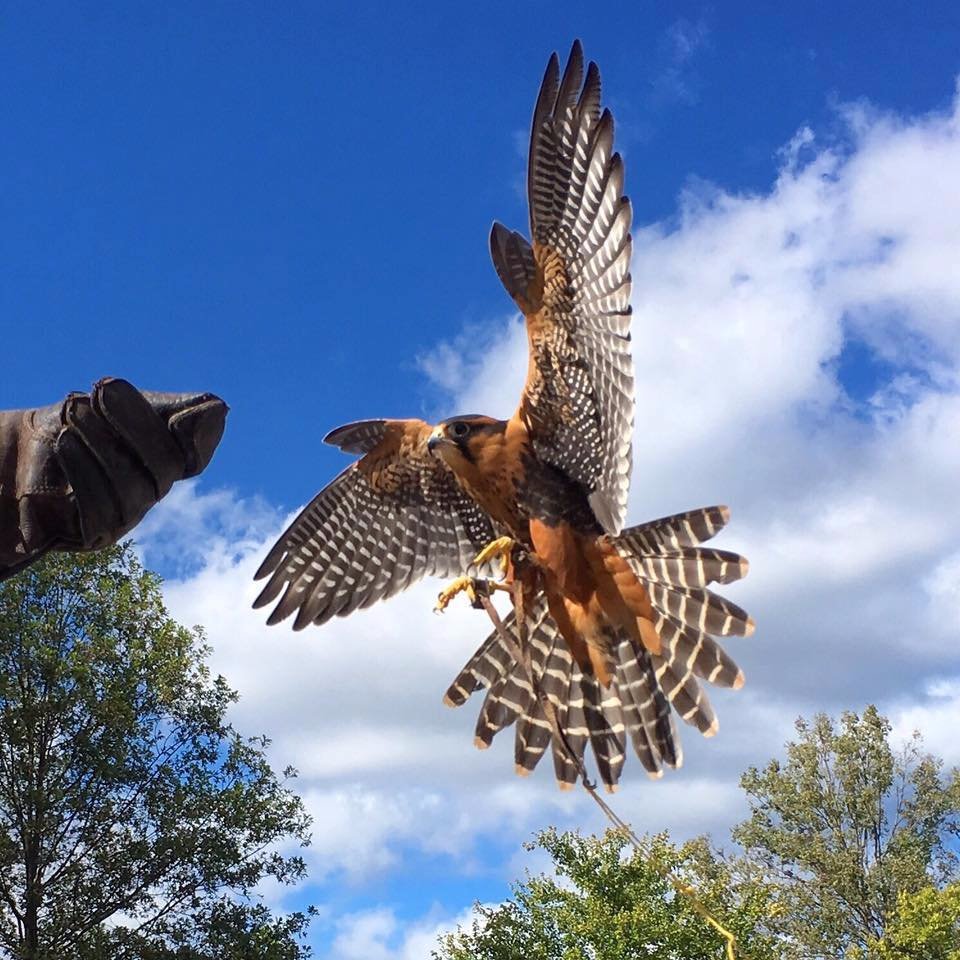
573, 286
390, 518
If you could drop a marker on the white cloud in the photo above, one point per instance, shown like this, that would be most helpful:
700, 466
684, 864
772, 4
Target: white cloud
843, 494
378, 934
192, 530
675, 79
934, 714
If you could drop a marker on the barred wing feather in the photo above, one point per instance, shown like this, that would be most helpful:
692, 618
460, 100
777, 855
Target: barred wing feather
573, 285
390, 518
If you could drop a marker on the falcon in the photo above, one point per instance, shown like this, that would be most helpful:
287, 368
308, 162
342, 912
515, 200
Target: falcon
619, 621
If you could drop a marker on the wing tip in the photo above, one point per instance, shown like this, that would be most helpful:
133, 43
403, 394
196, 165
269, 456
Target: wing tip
276, 616
271, 590
269, 563
551, 79
738, 681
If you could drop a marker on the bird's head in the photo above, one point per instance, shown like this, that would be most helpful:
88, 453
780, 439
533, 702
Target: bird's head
459, 439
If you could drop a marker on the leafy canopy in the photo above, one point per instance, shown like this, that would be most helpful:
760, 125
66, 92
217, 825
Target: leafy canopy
131, 813
926, 926
845, 826
604, 904
849, 853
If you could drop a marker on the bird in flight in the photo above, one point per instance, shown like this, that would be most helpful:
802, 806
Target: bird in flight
620, 621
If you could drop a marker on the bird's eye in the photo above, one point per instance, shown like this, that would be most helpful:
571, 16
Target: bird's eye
459, 429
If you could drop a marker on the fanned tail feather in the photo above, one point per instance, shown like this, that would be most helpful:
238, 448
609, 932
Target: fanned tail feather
678, 530
551, 662
633, 705
507, 699
646, 710
698, 653
666, 557
690, 567
533, 736
683, 691
701, 609
604, 715
572, 720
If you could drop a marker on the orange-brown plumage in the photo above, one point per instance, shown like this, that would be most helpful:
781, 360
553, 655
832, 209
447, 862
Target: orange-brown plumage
381, 466
488, 463
598, 591
592, 591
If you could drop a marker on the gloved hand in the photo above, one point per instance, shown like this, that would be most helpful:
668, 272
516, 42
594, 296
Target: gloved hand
79, 474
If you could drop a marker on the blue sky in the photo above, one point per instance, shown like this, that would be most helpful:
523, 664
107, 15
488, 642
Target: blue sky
289, 205
277, 203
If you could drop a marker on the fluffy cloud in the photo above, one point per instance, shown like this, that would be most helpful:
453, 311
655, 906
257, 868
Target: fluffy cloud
798, 357
933, 714
379, 935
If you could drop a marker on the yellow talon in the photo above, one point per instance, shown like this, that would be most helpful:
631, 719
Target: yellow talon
501, 548
460, 585
472, 587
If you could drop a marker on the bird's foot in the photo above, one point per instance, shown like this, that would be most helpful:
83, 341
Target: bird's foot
500, 548
471, 586
465, 585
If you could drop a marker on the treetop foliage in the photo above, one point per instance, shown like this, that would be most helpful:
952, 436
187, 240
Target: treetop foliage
132, 814
845, 825
606, 901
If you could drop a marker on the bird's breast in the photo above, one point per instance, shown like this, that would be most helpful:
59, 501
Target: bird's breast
493, 475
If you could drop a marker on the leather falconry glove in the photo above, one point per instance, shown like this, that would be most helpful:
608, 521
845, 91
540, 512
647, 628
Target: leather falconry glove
79, 474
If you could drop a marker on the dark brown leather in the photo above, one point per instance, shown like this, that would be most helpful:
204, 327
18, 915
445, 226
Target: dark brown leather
79, 474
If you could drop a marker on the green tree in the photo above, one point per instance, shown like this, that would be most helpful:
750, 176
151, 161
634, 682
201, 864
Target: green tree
134, 821
925, 926
844, 826
605, 905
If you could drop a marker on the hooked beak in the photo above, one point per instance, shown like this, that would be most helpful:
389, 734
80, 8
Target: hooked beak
436, 439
